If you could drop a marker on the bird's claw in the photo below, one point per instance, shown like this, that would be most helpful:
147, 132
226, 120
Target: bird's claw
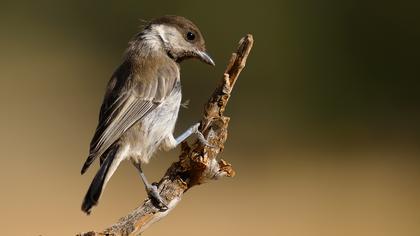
201, 137
152, 192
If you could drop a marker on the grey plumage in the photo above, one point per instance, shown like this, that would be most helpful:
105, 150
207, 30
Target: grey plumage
142, 99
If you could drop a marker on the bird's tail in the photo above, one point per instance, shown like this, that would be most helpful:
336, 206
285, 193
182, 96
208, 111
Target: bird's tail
108, 168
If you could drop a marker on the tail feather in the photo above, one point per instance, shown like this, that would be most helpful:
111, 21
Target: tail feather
98, 183
88, 162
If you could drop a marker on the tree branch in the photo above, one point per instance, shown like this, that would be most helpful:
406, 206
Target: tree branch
197, 163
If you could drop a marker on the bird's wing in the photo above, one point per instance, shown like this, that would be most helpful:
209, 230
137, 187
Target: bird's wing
128, 100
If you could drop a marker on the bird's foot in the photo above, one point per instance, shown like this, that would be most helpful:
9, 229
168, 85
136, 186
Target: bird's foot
152, 192
200, 136
192, 130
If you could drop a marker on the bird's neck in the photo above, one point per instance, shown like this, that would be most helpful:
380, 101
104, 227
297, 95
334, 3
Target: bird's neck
146, 49
146, 44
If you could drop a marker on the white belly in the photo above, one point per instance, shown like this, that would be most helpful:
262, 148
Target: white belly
145, 137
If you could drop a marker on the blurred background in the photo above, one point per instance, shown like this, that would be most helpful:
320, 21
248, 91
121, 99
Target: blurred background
324, 134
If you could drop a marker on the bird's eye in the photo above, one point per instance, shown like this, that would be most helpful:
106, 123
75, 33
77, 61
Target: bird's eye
190, 36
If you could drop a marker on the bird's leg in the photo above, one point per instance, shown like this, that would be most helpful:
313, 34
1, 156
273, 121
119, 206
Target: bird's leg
192, 130
170, 142
151, 189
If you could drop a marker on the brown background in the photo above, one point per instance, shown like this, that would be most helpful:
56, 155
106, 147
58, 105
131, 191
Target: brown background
325, 118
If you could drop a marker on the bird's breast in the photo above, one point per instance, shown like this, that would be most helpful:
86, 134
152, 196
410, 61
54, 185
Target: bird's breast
146, 135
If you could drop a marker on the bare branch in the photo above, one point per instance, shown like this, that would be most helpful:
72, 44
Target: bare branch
197, 163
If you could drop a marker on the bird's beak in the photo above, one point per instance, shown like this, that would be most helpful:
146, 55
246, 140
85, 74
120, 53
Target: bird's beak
203, 56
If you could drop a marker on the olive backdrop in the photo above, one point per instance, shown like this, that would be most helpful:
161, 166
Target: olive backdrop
325, 124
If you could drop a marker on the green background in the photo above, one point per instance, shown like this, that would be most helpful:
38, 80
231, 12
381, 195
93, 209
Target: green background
324, 126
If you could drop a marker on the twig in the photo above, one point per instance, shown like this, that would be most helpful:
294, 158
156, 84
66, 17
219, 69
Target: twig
197, 163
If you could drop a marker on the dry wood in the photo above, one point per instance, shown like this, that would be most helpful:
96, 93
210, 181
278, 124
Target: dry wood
197, 163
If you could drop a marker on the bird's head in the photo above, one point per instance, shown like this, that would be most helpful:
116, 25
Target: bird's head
180, 38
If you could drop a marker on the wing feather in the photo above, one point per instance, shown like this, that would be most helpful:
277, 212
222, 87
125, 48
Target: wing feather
127, 101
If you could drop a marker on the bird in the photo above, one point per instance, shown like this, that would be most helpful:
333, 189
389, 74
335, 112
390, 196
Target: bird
141, 103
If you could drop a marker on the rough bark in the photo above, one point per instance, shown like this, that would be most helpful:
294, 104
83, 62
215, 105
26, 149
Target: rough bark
197, 163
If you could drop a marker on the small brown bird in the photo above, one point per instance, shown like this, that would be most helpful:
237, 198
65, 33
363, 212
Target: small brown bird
142, 100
